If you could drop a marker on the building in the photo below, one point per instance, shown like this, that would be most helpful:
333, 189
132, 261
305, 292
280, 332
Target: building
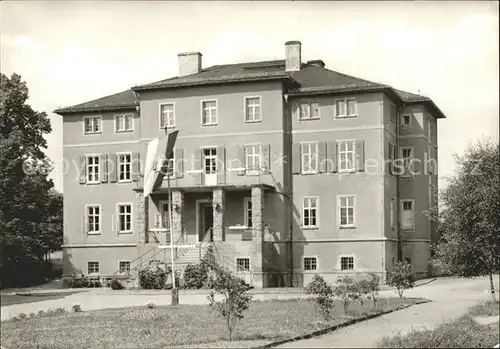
287, 168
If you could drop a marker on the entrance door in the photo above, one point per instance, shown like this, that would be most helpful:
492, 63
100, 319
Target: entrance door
210, 166
206, 220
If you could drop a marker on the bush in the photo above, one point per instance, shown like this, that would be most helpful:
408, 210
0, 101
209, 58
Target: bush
346, 290
195, 275
58, 311
41, 313
68, 282
150, 305
324, 296
22, 316
116, 285
374, 287
76, 308
400, 277
152, 279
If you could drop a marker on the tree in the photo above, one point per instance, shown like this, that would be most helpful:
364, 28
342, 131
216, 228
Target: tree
236, 298
373, 286
468, 221
400, 277
346, 290
324, 296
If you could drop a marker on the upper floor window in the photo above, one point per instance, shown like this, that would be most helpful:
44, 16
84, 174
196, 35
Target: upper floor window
92, 169
124, 217
124, 123
346, 108
253, 158
346, 206
243, 264
209, 112
346, 263
346, 155
407, 214
124, 171
392, 112
248, 212
309, 111
407, 155
93, 219
124, 266
310, 263
405, 120
92, 124
167, 115
309, 153
310, 212
252, 109
169, 166
92, 267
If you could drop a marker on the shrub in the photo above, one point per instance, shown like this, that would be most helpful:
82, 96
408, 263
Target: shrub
236, 298
41, 313
178, 281
68, 282
152, 279
400, 277
195, 275
324, 296
150, 305
32, 314
346, 290
22, 316
116, 285
58, 311
374, 287
76, 308
362, 289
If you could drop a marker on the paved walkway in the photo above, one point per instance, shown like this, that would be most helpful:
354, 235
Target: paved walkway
450, 297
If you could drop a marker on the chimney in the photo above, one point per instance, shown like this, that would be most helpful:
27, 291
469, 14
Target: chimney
293, 55
189, 63
317, 63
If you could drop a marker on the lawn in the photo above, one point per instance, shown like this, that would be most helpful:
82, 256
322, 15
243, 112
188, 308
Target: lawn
184, 325
7, 299
463, 332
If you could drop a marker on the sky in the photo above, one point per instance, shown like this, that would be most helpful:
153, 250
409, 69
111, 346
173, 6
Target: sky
69, 52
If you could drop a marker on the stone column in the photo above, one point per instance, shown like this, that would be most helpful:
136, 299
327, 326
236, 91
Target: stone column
177, 215
141, 214
257, 236
219, 206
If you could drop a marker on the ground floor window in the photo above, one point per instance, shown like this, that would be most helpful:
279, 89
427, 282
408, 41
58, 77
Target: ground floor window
346, 263
248, 212
310, 263
93, 267
243, 264
124, 266
125, 218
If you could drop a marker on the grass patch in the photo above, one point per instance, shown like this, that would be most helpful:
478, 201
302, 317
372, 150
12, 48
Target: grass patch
184, 325
461, 333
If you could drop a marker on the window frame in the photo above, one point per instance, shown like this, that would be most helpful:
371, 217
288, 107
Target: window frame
95, 272
93, 117
247, 217
310, 108
216, 112
345, 101
353, 263
315, 264
238, 266
162, 213
310, 154
340, 152
310, 226
98, 167
128, 231
117, 118
173, 174
160, 113
120, 267
245, 110
412, 156
254, 155
92, 232
339, 212
403, 227
118, 168
403, 118
393, 117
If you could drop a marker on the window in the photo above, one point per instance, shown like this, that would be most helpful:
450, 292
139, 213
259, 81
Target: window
167, 115
406, 154
309, 111
169, 166
124, 171
407, 214
124, 266
92, 267
253, 158
392, 157
310, 212
210, 158
346, 156
393, 212
346, 108
93, 169
248, 212
346, 263
252, 109
125, 218
92, 124
392, 112
309, 153
405, 120
243, 264
93, 219
346, 211
310, 263
124, 123
209, 113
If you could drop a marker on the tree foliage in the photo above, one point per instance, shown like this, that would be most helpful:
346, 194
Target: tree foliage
30, 210
468, 218
324, 296
400, 277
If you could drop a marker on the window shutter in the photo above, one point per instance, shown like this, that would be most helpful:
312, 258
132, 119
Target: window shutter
103, 171
391, 157
266, 157
221, 165
331, 153
360, 155
296, 157
85, 223
322, 163
83, 170
113, 170
198, 165
296, 111
179, 162
241, 159
135, 167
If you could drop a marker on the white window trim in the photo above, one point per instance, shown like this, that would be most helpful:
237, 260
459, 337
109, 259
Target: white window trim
118, 180
249, 263
98, 263
89, 117
245, 110
245, 213
317, 213
160, 115
124, 131
257, 171
353, 263
311, 117
412, 153
413, 214
346, 116
216, 112
98, 181
119, 269
313, 171
354, 218
118, 218
310, 270
94, 232
349, 170
403, 117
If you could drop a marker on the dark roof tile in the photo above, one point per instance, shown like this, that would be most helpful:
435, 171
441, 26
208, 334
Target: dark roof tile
117, 101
